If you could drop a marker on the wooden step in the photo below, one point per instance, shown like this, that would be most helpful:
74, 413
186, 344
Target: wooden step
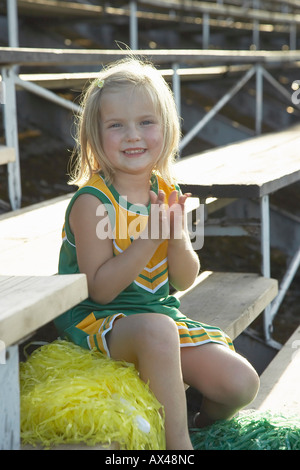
24, 233
30, 238
29, 302
280, 382
7, 155
230, 301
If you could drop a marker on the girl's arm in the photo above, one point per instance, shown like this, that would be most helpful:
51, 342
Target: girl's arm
183, 262
107, 275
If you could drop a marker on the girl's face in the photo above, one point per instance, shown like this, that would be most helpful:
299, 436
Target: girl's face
131, 132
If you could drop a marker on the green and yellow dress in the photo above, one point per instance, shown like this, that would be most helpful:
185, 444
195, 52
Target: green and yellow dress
87, 323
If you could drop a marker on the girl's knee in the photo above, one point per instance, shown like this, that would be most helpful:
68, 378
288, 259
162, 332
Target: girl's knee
243, 387
159, 331
138, 335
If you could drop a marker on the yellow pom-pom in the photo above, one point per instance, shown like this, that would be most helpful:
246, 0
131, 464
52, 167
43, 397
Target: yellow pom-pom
72, 395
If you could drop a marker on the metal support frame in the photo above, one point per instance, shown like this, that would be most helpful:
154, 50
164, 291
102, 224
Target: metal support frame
206, 26
259, 99
266, 256
280, 88
255, 30
12, 16
216, 108
47, 94
10, 400
285, 283
11, 137
176, 88
10, 80
293, 36
133, 25
205, 30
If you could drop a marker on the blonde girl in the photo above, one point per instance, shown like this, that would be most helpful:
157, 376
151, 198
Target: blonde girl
124, 228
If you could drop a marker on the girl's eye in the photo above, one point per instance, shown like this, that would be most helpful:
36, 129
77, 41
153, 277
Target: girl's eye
115, 125
146, 122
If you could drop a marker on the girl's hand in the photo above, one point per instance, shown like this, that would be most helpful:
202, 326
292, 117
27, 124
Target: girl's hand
177, 214
159, 219
166, 221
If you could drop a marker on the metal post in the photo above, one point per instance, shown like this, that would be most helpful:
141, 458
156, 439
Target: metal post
259, 99
265, 251
133, 26
265, 236
255, 31
176, 88
205, 31
285, 284
293, 36
255, 35
10, 400
12, 18
11, 137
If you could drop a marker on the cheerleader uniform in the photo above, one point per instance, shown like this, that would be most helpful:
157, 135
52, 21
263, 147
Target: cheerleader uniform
87, 323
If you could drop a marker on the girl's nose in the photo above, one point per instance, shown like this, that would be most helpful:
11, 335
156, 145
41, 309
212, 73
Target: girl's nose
132, 134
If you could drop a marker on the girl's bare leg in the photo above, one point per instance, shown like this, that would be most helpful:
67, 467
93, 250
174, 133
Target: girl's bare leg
151, 342
227, 381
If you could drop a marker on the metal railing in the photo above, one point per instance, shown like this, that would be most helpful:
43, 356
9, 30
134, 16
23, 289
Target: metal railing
11, 79
250, 15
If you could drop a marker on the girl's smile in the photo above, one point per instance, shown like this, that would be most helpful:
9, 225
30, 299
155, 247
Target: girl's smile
134, 152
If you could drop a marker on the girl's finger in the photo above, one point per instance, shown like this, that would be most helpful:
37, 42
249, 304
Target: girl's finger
161, 197
153, 197
183, 198
173, 198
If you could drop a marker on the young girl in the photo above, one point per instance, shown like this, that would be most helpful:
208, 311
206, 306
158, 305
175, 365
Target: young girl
125, 230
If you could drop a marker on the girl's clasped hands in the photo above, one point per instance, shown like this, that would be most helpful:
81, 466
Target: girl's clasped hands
167, 218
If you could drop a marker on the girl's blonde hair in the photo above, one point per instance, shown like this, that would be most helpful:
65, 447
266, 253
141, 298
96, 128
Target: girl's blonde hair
90, 157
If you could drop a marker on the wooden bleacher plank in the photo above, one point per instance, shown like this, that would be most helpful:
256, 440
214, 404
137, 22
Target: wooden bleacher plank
230, 301
44, 56
250, 168
280, 382
62, 8
218, 9
159, 10
7, 155
30, 238
29, 302
68, 80
73, 9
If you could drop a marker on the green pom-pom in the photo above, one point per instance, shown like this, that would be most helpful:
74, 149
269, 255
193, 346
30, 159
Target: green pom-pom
252, 431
